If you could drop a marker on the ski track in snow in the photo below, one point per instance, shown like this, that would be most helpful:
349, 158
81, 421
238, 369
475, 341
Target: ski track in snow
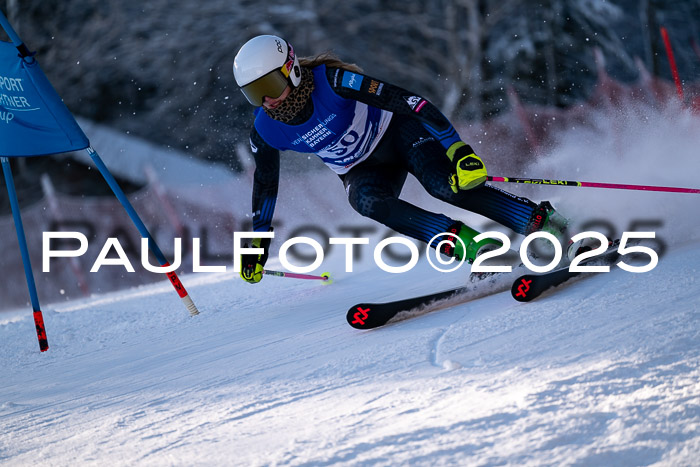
604, 371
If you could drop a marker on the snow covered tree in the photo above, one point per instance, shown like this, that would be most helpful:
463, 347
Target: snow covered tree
162, 69
546, 52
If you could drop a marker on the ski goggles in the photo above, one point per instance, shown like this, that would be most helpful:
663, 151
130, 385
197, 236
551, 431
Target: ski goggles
271, 85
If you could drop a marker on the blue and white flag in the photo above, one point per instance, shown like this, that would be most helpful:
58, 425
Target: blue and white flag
34, 121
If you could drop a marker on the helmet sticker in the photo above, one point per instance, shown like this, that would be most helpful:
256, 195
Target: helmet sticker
287, 67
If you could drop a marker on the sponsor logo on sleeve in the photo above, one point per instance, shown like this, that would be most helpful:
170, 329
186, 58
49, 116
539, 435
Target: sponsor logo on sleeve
253, 147
413, 101
375, 87
352, 80
421, 141
335, 78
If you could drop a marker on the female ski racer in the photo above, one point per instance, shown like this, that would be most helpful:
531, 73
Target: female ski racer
372, 134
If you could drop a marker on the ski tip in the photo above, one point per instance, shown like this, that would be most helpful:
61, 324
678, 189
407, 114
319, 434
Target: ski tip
359, 315
521, 289
368, 316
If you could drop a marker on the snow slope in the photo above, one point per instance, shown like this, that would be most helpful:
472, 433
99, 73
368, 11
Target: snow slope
607, 371
604, 372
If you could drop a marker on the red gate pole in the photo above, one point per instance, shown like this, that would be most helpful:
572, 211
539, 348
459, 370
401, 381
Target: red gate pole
672, 62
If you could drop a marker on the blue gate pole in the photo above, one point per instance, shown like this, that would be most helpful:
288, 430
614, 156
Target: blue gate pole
127, 205
38, 317
189, 304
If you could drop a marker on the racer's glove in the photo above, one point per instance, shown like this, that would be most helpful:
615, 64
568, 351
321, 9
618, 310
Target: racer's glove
468, 171
252, 264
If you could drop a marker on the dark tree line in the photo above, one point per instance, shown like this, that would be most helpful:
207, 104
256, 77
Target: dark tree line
161, 69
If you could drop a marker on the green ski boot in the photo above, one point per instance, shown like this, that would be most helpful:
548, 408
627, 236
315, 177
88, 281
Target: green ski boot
466, 249
545, 218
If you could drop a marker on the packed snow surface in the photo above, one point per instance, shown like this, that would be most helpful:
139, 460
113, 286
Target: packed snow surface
605, 371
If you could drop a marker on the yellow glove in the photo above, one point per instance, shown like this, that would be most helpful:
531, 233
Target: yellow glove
252, 264
468, 171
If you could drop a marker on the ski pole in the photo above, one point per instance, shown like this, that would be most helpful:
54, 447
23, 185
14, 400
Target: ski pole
617, 186
325, 277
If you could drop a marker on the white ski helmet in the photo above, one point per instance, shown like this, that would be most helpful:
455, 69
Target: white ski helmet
264, 66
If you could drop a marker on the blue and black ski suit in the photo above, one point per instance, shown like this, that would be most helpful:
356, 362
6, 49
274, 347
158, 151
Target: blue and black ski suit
372, 134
